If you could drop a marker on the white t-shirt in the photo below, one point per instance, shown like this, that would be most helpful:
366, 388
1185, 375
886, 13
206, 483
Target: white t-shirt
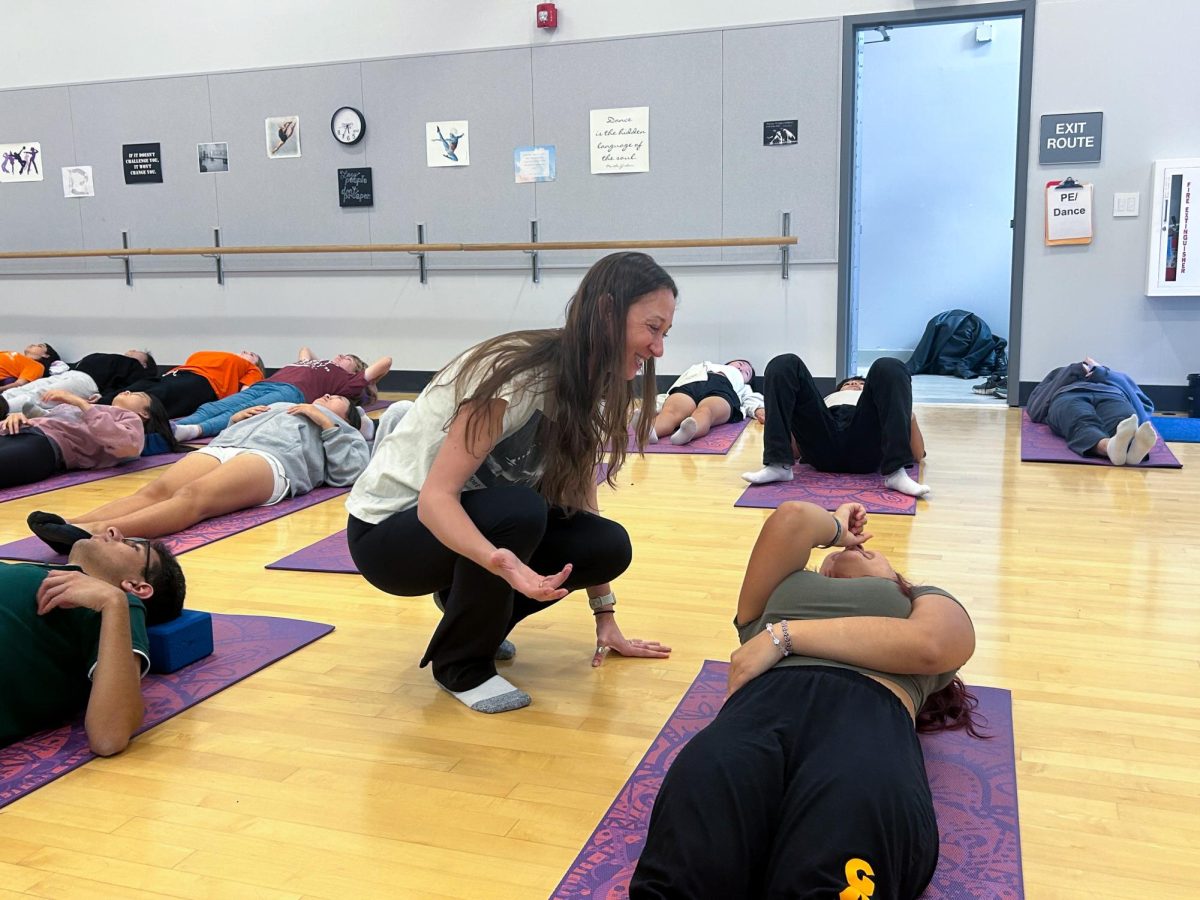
700, 371
402, 460
843, 398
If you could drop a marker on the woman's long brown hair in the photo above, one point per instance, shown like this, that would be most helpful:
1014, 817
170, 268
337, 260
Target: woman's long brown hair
581, 368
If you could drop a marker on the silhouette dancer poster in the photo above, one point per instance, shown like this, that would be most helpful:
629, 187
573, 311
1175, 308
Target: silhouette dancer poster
21, 162
447, 144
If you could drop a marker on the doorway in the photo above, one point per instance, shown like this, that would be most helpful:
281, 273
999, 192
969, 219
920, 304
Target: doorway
935, 112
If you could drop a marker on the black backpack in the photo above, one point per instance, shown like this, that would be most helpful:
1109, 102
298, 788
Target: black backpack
959, 343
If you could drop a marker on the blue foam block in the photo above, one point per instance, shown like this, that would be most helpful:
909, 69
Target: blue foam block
1177, 429
180, 642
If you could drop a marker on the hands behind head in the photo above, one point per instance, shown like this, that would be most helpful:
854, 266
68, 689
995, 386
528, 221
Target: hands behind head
853, 517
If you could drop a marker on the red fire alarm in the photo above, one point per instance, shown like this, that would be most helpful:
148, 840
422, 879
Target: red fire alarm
547, 15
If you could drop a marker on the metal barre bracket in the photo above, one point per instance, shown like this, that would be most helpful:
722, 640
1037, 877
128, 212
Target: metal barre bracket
783, 250
533, 254
217, 256
422, 271
125, 259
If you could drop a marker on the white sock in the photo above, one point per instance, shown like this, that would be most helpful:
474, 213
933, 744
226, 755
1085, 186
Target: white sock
767, 474
900, 481
186, 432
493, 696
1118, 444
686, 431
1143, 442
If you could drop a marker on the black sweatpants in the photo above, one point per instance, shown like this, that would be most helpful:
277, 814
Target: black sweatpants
809, 781
875, 437
401, 556
1082, 418
26, 457
182, 393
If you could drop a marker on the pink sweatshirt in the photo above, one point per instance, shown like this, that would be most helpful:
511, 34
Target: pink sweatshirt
96, 439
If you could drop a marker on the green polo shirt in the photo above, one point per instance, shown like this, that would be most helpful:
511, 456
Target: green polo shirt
46, 662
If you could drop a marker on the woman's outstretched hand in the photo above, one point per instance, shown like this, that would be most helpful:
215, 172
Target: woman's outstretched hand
524, 580
610, 640
853, 517
751, 659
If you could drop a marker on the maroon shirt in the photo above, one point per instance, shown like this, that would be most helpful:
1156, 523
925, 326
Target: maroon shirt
315, 378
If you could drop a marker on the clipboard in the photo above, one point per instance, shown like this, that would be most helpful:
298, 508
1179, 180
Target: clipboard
1068, 212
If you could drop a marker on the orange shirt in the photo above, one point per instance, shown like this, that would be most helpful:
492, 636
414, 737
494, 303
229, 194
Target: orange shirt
226, 372
18, 365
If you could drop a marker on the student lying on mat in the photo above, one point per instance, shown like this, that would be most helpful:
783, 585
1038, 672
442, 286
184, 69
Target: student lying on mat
866, 425
268, 454
301, 382
95, 374
485, 492
20, 368
71, 433
66, 633
810, 781
1097, 411
206, 376
704, 396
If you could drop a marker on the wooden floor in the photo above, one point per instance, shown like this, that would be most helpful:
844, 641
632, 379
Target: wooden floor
343, 772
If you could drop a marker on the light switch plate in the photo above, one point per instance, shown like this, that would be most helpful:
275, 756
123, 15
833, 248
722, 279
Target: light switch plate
1125, 204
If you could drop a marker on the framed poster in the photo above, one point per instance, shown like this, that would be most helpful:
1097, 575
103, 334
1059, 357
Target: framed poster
354, 187
143, 163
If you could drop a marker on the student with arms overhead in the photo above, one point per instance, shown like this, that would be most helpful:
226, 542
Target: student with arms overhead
485, 492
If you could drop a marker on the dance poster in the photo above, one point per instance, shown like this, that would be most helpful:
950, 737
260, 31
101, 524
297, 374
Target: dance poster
21, 162
447, 144
620, 140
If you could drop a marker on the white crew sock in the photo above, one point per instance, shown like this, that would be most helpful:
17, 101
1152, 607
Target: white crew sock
686, 431
633, 424
767, 474
1143, 442
1118, 444
186, 432
900, 481
493, 696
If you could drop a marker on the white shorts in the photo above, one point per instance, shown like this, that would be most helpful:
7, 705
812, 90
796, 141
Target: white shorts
281, 487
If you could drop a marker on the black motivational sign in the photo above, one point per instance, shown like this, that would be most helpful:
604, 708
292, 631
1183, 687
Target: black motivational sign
354, 187
780, 132
143, 163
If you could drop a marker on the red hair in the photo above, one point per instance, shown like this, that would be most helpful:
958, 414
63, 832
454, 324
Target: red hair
953, 708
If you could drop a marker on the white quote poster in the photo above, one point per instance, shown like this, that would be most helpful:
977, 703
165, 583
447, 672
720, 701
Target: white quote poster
447, 144
620, 140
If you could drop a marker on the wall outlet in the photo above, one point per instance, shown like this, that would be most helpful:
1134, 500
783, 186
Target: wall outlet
1125, 204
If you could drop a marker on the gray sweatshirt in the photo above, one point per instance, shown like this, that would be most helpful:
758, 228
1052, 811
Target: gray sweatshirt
310, 456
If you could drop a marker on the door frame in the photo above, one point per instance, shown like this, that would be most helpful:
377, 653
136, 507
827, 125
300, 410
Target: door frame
851, 25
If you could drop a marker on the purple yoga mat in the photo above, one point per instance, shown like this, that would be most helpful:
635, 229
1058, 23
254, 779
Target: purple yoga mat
31, 549
974, 786
719, 441
241, 646
67, 479
329, 554
1040, 444
830, 490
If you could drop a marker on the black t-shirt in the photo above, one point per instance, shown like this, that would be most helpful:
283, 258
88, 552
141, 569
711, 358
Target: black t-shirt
113, 372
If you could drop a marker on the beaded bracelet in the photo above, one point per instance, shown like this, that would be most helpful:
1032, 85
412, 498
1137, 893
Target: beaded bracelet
774, 640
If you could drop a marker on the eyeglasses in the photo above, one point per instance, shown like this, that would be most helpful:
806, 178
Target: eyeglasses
140, 542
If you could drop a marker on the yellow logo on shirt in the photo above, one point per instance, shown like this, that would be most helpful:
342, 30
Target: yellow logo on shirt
859, 885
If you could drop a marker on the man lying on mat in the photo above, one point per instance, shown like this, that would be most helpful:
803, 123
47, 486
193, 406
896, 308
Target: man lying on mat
866, 425
268, 454
810, 781
303, 381
66, 633
1098, 411
206, 376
